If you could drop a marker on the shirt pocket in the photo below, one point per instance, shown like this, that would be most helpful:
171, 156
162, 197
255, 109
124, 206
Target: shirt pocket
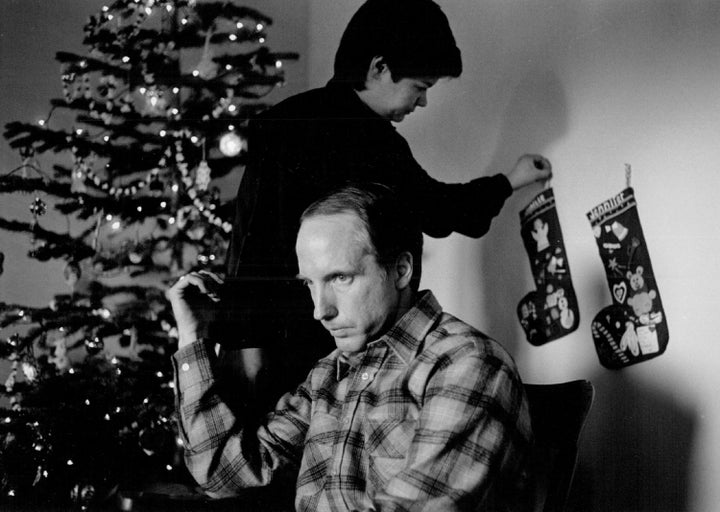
387, 442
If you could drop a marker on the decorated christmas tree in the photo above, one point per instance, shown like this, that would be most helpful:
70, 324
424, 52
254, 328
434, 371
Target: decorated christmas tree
159, 105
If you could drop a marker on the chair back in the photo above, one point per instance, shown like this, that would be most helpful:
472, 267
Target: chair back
558, 413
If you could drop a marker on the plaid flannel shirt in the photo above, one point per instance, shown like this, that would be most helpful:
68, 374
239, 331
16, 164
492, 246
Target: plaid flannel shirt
431, 416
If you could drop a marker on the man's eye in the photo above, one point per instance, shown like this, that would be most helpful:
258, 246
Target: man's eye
342, 279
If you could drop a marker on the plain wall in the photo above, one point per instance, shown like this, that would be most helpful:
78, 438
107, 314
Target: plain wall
593, 85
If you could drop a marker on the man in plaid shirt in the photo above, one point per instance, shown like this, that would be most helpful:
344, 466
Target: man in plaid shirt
414, 410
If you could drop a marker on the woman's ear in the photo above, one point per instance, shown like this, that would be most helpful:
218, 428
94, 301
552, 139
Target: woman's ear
404, 269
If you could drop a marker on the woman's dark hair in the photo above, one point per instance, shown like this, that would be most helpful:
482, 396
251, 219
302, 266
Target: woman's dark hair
390, 225
413, 36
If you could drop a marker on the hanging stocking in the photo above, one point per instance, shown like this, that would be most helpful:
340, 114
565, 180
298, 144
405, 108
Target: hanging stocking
633, 328
550, 311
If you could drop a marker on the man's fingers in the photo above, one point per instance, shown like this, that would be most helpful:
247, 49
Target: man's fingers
211, 275
204, 282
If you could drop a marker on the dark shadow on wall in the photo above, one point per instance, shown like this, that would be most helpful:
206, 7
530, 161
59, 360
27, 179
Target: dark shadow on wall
536, 116
635, 449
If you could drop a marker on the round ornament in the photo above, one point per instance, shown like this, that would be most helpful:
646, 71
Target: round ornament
135, 257
231, 144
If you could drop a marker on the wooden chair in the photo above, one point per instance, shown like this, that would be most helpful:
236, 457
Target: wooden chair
558, 413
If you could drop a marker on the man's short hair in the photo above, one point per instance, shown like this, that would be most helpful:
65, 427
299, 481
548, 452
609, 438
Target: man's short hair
413, 36
391, 226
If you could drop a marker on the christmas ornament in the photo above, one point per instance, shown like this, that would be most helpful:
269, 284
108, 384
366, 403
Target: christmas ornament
12, 376
231, 144
78, 181
94, 345
126, 104
182, 217
30, 371
157, 439
634, 327
550, 311
155, 184
202, 175
14, 340
72, 274
81, 168
126, 338
38, 207
155, 102
135, 257
59, 357
82, 495
196, 233
226, 104
207, 68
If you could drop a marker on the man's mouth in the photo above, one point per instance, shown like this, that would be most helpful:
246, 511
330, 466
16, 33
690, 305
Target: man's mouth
337, 332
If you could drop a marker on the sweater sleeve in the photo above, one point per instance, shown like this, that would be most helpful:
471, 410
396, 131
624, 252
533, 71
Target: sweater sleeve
443, 208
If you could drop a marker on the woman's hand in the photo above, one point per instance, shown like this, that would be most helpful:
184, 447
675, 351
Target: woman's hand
192, 298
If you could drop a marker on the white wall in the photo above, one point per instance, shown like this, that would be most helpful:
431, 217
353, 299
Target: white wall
593, 85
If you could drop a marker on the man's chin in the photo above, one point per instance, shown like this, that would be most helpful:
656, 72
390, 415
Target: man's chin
351, 343
399, 117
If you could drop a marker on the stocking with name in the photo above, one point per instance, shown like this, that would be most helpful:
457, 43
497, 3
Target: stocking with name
634, 328
550, 311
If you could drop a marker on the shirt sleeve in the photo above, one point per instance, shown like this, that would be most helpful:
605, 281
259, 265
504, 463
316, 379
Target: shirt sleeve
223, 454
471, 438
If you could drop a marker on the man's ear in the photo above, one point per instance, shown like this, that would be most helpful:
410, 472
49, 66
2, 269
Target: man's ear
377, 67
404, 268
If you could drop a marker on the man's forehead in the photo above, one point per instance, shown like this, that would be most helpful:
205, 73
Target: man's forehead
333, 235
344, 220
331, 231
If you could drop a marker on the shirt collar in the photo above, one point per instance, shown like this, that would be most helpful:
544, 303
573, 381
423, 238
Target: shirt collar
354, 106
345, 362
407, 335
405, 338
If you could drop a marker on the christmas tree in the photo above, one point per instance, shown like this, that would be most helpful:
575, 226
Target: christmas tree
160, 104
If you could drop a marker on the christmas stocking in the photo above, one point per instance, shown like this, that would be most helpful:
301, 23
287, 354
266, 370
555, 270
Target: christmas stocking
550, 311
634, 327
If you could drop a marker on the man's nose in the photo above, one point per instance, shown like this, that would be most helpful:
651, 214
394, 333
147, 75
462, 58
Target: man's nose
422, 99
324, 303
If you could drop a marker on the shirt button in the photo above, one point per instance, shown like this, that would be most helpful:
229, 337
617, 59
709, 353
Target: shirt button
185, 367
365, 376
